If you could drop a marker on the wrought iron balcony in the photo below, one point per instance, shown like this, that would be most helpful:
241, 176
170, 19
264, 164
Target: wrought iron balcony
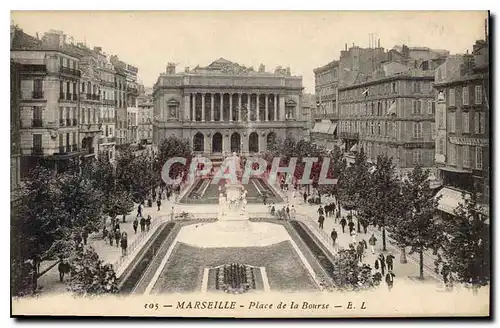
70, 71
37, 123
34, 68
37, 94
75, 122
349, 135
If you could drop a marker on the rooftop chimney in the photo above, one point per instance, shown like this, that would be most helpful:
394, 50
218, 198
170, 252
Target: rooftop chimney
97, 49
170, 68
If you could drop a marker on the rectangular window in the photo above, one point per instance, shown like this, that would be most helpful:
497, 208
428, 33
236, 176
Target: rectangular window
37, 141
479, 158
440, 149
465, 122
417, 130
479, 123
453, 154
465, 156
478, 94
465, 96
417, 156
451, 97
433, 107
393, 87
38, 85
75, 142
452, 122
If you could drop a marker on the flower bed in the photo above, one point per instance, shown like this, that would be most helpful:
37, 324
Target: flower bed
235, 278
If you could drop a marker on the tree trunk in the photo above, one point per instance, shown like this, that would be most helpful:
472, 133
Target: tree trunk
403, 259
421, 252
35, 277
383, 239
124, 218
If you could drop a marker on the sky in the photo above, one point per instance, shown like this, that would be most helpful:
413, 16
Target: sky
302, 40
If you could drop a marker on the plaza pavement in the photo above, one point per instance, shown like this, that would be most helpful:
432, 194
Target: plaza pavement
112, 254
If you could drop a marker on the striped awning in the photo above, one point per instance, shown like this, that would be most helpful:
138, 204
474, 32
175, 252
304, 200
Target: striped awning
331, 128
451, 199
321, 127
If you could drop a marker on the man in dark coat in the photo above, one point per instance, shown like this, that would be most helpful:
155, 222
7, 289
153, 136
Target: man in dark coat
111, 235
118, 236
389, 280
135, 224
320, 210
382, 260
305, 197
158, 203
343, 222
390, 260
359, 250
321, 220
123, 244
139, 210
143, 224
334, 236
85, 235
351, 227
63, 269
148, 223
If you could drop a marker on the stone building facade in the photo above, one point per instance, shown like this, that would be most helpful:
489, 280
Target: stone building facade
463, 116
145, 119
225, 107
392, 115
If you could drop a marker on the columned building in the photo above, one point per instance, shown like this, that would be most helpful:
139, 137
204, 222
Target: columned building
225, 107
145, 119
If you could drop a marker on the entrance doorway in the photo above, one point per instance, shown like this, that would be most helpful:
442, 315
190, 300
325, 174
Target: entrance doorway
217, 143
253, 142
235, 142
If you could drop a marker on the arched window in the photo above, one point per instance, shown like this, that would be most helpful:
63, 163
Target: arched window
199, 142
271, 139
253, 142
217, 143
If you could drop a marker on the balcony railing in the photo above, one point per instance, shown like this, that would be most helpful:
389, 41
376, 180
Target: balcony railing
37, 123
108, 120
75, 96
90, 96
68, 148
70, 71
68, 122
37, 151
61, 150
68, 96
75, 122
61, 95
74, 148
37, 94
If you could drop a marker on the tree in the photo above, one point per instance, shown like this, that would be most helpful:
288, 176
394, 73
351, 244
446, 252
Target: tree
351, 275
80, 203
354, 183
384, 201
466, 248
118, 202
423, 229
38, 226
174, 147
90, 276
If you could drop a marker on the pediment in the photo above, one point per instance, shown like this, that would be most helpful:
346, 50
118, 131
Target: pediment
173, 102
291, 103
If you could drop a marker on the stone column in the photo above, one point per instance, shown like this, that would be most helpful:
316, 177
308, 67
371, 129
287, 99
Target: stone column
212, 102
186, 107
275, 107
239, 107
257, 109
231, 117
267, 107
203, 107
193, 107
221, 114
282, 108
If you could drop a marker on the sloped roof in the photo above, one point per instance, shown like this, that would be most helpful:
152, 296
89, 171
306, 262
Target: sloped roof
24, 41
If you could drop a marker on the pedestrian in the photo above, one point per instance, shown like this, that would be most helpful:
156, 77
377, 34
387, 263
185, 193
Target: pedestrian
321, 219
104, 233
365, 245
273, 210
390, 261
264, 198
389, 279
110, 237
320, 210
364, 223
359, 250
351, 227
135, 224
139, 210
172, 214
378, 264
293, 212
382, 259
305, 197
372, 241
158, 203
117, 237
334, 236
288, 212
142, 223
148, 223
63, 268
85, 235
123, 243
117, 225
343, 223
78, 239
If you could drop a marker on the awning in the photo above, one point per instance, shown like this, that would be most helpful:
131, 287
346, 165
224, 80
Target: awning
354, 148
321, 127
451, 198
331, 128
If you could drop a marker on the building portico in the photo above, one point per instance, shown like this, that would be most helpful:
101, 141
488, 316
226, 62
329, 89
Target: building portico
225, 107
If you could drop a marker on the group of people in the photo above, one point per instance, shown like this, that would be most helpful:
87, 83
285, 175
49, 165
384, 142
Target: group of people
120, 237
284, 213
384, 265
